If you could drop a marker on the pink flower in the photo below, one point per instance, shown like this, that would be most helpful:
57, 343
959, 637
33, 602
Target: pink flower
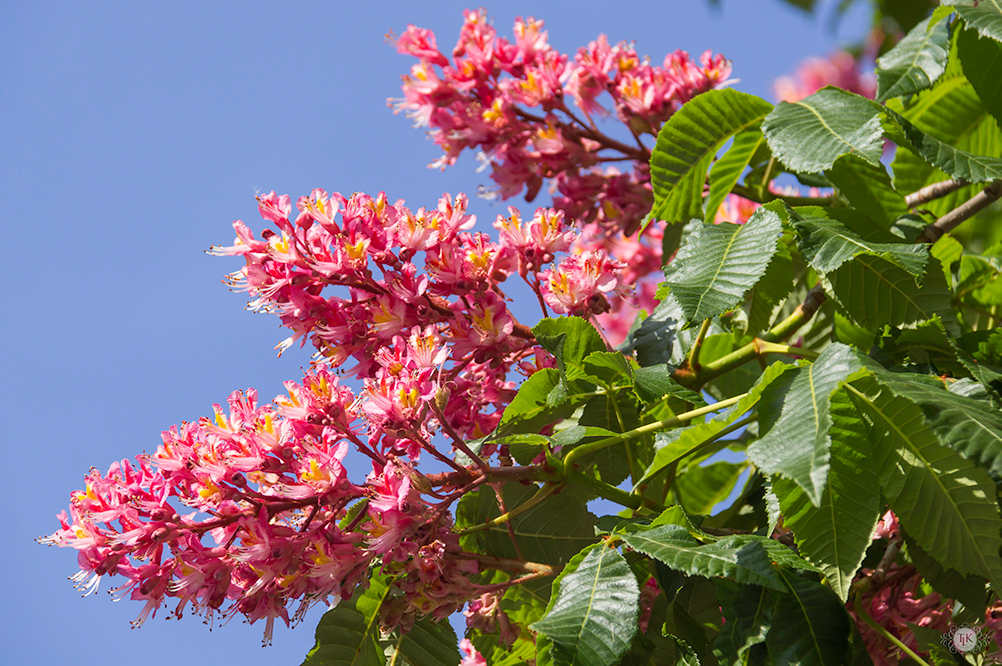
839, 69
470, 655
579, 284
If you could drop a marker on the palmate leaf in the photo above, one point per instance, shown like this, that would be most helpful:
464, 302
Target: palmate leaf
915, 62
654, 382
985, 16
981, 59
741, 560
868, 189
826, 244
719, 263
809, 135
773, 288
728, 169
942, 500
873, 292
550, 532
836, 534
687, 144
810, 626
795, 440
593, 616
348, 634
693, 615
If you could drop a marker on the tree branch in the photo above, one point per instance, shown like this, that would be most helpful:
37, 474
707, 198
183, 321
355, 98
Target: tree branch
962, 213
934, 191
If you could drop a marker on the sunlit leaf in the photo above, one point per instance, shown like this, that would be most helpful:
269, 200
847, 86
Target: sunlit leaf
718, 264
593, 617
809, 135
687, 144
915, 62
796, 417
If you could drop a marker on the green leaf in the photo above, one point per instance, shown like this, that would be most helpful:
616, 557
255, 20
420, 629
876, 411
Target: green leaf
941, 499
930, 642
700, 489
873, 292
612, 462
985, 16
850, 218
687, 144
915, 62
744, 561
719, 263
747, 613
809, 135
654, 382
952, 113
529, 411
569, 339
810, 626
608, 368
693, 616
550, 532
728, 169
827, 244
981, 59
868, 189
679, 443
348, 634
795, 441
954, 162
906, 13
836, 534
971, 427
773, 288
660, 339
428, 644
594, 614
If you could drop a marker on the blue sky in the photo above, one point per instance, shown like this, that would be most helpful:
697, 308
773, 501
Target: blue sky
133, 134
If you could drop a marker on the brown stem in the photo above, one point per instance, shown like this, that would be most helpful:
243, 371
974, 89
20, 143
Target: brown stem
934, 191
457, 441
515, 566
607, 141
498, 587
532, 473
961, 213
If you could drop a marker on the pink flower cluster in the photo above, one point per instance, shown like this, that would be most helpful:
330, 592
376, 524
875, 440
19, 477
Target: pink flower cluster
266, 485
895, 604
433, 330
840, 69
273, 517
508, 100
